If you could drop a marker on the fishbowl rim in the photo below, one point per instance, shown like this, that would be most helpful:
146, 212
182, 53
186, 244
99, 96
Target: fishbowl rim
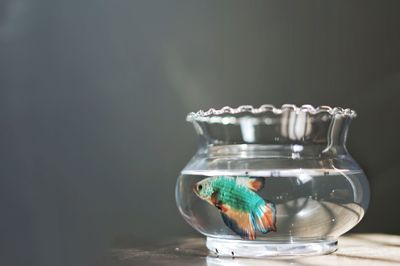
206, 116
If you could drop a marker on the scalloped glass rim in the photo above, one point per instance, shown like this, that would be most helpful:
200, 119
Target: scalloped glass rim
204, 116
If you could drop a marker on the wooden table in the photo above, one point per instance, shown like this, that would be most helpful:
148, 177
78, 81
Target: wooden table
355, 249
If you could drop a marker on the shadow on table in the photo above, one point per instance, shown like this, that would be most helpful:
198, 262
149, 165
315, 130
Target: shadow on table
358, 249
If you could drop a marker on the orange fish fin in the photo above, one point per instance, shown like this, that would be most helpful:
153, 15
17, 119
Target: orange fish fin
216, 202
264, 217
253, 183
239, 222
214, 199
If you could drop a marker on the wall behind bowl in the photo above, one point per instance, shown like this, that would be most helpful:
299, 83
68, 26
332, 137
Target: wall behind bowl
93, 98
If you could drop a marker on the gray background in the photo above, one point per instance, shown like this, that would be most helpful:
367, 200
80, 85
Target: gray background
93, 98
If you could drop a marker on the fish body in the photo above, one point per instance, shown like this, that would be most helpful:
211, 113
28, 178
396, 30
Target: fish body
242, 210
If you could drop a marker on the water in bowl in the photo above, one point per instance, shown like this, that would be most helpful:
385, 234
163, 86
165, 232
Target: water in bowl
310, 203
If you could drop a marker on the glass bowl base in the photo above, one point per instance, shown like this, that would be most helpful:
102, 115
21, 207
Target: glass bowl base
253, 249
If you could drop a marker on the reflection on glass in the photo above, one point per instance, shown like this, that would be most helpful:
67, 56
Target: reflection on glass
272, 181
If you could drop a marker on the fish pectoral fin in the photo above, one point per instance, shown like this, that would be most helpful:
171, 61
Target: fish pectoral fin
217, 203
214, 199
264, 217
253, 183
239, 222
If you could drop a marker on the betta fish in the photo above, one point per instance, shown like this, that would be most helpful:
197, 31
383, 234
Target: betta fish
242, 210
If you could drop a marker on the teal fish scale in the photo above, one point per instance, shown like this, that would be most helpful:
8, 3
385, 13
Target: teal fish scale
236, 196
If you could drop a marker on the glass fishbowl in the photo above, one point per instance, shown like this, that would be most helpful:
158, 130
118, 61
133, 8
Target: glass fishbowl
272, 181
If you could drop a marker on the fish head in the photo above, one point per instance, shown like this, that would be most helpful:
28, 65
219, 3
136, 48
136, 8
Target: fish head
203, 189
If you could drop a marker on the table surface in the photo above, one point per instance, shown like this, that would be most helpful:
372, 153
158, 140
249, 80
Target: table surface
355, 249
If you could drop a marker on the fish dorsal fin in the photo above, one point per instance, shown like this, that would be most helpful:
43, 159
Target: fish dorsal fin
253, 183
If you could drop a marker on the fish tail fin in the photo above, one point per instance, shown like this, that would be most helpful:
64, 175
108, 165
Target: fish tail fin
264, 217
239, 222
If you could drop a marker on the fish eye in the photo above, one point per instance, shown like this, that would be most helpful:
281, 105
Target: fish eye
200, 187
